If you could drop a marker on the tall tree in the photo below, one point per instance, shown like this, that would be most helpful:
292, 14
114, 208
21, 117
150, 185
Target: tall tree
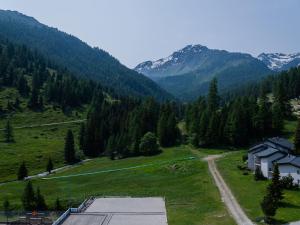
22, 172
28, 198
148, 145
297, 139
49, 167
8, 132
40, 201
57, 205
70, 157
213, 97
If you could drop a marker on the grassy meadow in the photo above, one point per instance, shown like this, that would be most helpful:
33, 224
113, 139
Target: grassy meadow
191, 196
33, 145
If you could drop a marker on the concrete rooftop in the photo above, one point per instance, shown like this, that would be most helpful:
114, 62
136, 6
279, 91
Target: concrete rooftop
122, 211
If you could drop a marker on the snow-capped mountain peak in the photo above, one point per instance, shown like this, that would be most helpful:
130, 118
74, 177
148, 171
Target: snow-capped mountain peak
280, 61
172, 59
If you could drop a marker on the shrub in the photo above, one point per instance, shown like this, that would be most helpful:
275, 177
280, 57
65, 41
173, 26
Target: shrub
287, 182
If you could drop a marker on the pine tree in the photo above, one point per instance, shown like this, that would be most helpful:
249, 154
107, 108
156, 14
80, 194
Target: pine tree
8, 132
70, 148
297, 139
277, 118
213, 97
82, 137
49, 167
40, 201
28, 198
6, 207
22, 172
275, 187
269, 208
57, 205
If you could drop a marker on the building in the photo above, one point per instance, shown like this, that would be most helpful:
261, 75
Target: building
271, 151
117, 211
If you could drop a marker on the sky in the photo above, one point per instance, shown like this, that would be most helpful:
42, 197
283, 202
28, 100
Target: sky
134, 31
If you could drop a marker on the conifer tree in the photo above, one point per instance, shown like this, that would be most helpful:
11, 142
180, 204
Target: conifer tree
213, 97
49, 167
22, 172
57, 205
81, 137
69, 148
269, 208
28, 198
8, 132
7, 209
40, 201
277, 118
297, 139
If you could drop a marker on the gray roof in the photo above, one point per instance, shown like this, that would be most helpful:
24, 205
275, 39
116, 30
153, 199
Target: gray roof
282, 142
268, 152
291, 160
258, 148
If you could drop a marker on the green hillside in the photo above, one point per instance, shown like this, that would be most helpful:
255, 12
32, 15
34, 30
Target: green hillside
72, 53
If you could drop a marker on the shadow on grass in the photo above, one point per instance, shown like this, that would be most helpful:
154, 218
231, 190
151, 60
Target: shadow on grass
289, 205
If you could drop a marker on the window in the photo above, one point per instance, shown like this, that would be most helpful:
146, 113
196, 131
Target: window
298, 171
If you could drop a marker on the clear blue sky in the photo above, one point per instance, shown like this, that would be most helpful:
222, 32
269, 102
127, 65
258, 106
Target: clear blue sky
137, 30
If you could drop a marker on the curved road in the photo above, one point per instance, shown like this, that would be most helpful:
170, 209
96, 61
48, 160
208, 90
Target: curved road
231, 203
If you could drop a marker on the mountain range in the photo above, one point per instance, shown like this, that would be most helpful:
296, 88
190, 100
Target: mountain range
186, 73
77, 56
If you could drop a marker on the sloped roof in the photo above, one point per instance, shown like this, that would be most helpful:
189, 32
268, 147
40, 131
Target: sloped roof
268, 152
290, 160
285, 143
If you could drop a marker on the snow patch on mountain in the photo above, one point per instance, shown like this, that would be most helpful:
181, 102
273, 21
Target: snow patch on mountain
276, 61
170, 60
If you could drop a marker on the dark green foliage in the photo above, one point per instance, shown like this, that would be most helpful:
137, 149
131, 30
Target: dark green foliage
236, 122
73, 54
69, 149
167, 130
269, 208
8, 132
28, 198
148, 145
40, 201
6, 207
22, 172
49, 167
57, 205
258, 174
287, 182
275, 187
81, 137
273, 197
297, 139
213, 98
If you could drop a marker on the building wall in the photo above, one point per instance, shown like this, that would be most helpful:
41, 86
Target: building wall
285, 170
251, 164
266, 164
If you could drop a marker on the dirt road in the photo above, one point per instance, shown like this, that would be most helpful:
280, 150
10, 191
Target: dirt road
231, 203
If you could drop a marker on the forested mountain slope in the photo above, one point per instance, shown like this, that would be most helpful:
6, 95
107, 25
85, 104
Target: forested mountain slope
77, 56
187, 72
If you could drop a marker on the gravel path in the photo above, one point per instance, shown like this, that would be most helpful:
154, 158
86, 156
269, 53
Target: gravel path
231, 203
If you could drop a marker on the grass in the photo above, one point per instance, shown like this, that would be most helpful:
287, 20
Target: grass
191, 196
250, 193
33, 145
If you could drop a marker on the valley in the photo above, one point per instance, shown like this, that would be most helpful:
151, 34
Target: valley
211, 136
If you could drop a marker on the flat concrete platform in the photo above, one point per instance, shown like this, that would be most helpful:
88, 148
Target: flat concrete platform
80, 219
121, 211
127, 205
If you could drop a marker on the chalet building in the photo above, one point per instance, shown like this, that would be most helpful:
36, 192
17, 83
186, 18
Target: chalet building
271, 151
